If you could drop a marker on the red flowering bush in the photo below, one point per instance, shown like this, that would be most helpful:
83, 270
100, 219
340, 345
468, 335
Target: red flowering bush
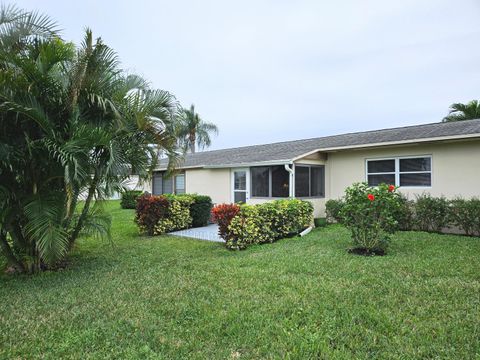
371, 215
222, 215
150, 209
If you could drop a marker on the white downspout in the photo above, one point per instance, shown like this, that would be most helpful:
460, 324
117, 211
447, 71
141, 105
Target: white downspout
291, 188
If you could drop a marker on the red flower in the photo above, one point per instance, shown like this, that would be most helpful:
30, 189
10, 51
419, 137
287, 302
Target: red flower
371, 197
391, 188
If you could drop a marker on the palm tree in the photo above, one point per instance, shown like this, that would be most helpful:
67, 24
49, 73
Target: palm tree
71, 123
192, 130
460, 112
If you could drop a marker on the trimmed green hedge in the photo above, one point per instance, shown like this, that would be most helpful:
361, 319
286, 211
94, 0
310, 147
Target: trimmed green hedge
266, 223
426, 213
157, 215
200, 209
129, 199
465, 214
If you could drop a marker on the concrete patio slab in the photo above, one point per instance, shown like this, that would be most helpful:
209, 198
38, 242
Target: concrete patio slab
209, 233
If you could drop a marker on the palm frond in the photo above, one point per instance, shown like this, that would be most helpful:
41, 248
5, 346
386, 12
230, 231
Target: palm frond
16, 25
30, 108
97, 223
44, 214
461, 112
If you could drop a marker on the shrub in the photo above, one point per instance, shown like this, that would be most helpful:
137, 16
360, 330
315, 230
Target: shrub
406, 214
293, 216
177, 216
246, 228
333, 210
266, 223
200, 210
129, 199
150, 209
431, 213
157, 215
466, 215
369, 213
222, 215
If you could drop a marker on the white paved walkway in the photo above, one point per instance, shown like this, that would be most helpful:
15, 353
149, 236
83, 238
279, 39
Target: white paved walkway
209, 233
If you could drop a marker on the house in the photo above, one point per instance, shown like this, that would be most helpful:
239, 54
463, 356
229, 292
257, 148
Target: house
439, 158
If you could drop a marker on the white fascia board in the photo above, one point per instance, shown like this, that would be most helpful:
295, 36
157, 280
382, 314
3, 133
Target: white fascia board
390, 143
257, 163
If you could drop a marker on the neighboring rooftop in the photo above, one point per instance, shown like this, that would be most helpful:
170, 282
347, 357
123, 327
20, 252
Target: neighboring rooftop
290, 150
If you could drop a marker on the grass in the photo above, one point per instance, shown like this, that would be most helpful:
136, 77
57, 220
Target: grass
169, 297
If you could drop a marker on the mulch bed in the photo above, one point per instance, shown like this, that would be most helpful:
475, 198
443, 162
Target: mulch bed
367, 252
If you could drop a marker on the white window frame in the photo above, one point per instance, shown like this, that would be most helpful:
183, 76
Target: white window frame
397, 171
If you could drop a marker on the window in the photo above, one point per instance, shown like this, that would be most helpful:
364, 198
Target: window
270, 181
317, 181
309, 181
180, 184
416, 171
260, 181
168, 185
302, 181
280, 181
408, 171
381, 171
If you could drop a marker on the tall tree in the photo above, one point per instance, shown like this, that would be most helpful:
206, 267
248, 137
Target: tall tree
460, 112
193, 131
73, 126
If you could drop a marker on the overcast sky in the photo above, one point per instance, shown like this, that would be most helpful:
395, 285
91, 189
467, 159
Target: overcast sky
267, 71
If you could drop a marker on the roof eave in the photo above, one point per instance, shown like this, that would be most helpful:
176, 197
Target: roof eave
248, 164
233, 165
390, 143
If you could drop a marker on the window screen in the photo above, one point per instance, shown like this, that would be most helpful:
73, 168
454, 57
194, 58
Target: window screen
309, 181
260, 181
416, 171
167, 185
302, 181
280, 181
317, 181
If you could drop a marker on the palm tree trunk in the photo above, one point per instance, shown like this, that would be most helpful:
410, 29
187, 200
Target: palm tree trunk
192, 139
71, 209
9, 255
86, 207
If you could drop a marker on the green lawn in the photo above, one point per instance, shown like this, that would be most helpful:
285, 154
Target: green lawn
168, 297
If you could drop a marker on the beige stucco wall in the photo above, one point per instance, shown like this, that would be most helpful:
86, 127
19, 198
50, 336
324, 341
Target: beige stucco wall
455, 172
212, 182
455, 168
